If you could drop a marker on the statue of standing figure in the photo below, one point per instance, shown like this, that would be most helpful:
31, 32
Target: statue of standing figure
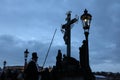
67, 27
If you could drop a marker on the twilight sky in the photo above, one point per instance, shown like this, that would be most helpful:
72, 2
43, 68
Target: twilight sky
31, 23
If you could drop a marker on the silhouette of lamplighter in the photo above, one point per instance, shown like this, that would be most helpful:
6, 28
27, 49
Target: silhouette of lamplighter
84, 50
25, 56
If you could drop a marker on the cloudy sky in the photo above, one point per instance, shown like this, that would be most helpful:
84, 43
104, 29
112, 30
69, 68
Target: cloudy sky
30, 24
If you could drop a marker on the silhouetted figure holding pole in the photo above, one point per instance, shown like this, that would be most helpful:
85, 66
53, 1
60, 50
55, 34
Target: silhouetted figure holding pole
32, 70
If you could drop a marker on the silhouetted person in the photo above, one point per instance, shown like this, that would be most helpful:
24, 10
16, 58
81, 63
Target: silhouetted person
9, 75
32, 72
45, 74
2, 76
15, 74
65, 58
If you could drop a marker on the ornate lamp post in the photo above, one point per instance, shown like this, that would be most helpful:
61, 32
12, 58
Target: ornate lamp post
86, 20
25, 56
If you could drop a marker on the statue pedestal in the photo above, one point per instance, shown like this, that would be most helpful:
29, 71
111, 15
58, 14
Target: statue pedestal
70, 70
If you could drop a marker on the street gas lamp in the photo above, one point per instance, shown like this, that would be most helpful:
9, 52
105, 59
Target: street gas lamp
86, 20
4, 64
84, 57
26, 53
25, 56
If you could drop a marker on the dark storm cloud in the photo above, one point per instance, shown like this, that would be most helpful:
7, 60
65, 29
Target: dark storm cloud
33, 21
30, 17
12, 50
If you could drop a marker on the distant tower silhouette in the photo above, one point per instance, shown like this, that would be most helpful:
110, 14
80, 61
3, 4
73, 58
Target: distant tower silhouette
66, 28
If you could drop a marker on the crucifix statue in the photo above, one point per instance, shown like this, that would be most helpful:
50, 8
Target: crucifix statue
66, 29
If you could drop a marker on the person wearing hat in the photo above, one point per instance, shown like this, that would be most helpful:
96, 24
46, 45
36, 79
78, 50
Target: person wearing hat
32, 71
